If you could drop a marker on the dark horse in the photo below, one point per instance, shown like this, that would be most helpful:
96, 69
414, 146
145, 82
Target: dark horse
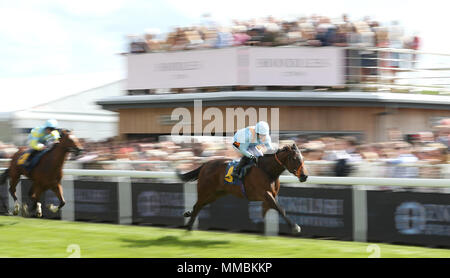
47, 174
261, 183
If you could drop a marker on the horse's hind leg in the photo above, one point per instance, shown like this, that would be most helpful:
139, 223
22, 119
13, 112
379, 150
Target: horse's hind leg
35, 196
12, 191
201, 202
271, 202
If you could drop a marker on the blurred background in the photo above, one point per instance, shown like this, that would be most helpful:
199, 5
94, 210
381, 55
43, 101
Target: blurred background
363, 88
363, 94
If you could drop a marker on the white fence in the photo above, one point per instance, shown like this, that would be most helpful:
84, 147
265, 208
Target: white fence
316, 168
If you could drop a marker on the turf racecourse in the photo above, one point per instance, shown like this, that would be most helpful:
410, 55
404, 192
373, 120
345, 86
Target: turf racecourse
38, 238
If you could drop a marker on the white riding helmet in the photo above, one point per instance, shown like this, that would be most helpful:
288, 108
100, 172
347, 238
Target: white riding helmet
52, 123
262, 128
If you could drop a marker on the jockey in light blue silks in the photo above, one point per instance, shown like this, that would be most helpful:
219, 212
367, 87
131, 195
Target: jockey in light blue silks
42, 137
247, 141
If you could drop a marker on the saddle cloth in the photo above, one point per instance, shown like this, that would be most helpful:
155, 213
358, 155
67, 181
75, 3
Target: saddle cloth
230, 180
34, 160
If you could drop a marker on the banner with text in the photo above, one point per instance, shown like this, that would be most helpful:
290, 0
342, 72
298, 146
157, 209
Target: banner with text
254, 66
296, 66
409, 217
196, 68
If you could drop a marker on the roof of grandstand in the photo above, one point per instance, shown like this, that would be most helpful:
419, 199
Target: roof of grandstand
279, 98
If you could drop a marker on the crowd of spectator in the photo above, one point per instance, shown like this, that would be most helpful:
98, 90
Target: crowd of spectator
314, 30
325, 155
362, 63
420, 155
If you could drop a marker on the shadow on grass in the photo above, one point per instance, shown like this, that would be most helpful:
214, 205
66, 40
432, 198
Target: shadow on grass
8, 224
172, 241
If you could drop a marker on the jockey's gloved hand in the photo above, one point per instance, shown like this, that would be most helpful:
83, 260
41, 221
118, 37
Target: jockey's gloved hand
254, 158
50, 144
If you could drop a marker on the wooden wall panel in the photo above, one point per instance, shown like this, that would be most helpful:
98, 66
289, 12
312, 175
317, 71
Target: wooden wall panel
294, 118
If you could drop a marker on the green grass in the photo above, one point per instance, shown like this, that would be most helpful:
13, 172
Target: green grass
31, 238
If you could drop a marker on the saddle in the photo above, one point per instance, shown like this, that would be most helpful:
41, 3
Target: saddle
230, 170
231, 179
30, 158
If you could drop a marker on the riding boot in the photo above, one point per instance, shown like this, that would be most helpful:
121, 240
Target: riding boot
237, 171
27, 163
245, 168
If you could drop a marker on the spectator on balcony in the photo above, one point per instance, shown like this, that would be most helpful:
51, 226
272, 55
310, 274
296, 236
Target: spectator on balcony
395, 41
240, 36
194, 39
272, 35
326, 32
366, 38
341, 36
153, 44
382, 41
209, 37
224, 38
256, 35
180, 41
137, 44
308, 32
412, 43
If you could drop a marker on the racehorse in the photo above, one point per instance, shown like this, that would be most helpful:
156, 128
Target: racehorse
47, 174
260, 184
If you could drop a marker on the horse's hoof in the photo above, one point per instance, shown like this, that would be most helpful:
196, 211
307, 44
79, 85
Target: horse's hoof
296, 229
25, 211
187, 214
16, 208
39, 214
53, 208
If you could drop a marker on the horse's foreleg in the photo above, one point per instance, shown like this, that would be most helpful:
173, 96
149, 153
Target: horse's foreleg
272, 203
59, 193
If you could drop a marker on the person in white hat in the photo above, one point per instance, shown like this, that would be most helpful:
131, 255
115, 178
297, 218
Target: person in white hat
246, 142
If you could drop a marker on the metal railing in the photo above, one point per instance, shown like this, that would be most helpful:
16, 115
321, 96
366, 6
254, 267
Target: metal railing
397, 70
322, 168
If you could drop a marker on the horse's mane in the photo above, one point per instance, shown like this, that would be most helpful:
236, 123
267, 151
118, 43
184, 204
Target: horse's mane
284, 149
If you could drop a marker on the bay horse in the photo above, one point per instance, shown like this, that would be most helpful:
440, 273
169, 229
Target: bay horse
47, 174
260, 184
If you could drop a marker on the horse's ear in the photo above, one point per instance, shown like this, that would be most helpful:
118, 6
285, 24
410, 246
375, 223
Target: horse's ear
63, 131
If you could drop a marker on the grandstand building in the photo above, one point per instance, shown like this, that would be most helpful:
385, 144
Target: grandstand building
311, 87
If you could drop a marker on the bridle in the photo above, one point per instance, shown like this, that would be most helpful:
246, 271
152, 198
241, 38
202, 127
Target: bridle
67, 148
297, 172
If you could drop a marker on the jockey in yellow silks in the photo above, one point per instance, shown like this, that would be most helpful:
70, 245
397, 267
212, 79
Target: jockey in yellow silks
41, 138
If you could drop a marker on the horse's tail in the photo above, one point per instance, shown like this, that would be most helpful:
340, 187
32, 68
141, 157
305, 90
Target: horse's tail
4, 176
189, 176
